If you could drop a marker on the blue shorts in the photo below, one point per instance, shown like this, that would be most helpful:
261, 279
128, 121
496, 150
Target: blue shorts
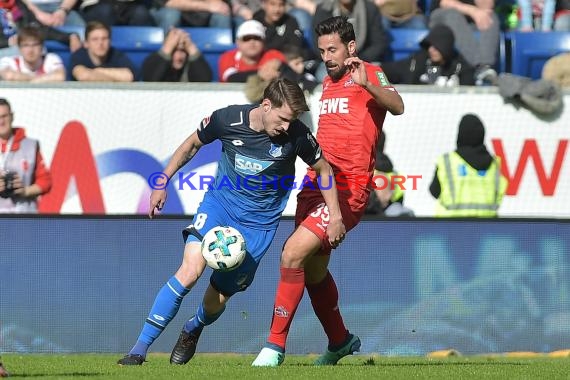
210, 215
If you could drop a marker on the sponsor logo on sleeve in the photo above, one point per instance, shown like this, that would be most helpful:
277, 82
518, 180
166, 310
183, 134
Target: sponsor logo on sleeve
382, 79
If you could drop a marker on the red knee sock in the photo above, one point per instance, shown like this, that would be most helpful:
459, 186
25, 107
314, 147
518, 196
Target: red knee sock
289, 293
324, 297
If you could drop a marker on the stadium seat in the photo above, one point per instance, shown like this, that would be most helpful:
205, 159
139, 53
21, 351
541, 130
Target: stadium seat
404, 42
137, 42
212, 42
530, 51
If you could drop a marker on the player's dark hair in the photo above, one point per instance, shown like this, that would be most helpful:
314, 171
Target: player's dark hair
337, 24
30, 32
282, 90
4, 102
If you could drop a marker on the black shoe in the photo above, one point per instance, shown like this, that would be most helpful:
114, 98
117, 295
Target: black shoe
185, 348
131, 360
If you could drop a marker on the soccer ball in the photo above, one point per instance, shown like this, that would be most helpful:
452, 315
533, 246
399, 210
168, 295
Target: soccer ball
223, 248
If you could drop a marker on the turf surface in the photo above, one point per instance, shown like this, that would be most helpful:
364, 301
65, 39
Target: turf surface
228, 366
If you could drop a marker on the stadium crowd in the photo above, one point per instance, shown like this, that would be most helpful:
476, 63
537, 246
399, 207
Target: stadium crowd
463, 44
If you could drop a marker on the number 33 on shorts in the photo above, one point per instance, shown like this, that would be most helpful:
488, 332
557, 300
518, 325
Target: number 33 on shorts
322, 211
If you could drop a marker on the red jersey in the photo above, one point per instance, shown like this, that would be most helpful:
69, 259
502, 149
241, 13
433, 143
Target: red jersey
231, 62
350, 122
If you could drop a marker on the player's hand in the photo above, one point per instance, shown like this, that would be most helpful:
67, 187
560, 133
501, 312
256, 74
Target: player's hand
357, 70
157, 201
336, 231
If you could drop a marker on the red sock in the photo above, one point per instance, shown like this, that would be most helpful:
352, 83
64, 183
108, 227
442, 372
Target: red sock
289, 293
324, 297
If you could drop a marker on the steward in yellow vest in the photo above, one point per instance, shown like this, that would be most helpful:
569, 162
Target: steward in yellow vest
468, 182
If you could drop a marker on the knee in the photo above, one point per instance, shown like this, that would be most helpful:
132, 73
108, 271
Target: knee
167, 18
446, 16
188, 274
292, 258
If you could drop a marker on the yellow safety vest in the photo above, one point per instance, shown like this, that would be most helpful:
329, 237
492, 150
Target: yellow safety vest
467, 192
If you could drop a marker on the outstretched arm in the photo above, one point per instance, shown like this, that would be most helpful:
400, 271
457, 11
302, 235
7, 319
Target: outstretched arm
386, 98
335, 229
181, 156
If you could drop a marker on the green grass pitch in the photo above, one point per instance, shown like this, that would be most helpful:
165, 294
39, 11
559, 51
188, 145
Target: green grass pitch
231, 366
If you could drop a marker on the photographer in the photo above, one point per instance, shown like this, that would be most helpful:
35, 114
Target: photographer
23, 174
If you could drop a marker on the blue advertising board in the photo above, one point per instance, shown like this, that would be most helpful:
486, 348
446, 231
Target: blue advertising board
407, 287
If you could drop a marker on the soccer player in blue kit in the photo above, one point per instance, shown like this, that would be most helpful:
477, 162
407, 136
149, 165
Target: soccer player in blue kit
260, 144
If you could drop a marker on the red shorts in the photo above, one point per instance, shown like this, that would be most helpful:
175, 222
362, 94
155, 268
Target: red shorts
313, 214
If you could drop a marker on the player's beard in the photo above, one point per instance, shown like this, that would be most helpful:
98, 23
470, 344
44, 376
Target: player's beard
337, 74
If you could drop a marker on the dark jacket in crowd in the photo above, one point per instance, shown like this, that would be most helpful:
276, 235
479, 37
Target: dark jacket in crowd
470, 146
419, 69
25, 17
285, 32
157, 67
371, 39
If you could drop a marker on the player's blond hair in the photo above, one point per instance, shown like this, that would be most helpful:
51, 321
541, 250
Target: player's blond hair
284, 91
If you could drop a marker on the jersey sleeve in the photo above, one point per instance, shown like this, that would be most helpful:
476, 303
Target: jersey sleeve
307, 146
210, 128
52, 62
377, 77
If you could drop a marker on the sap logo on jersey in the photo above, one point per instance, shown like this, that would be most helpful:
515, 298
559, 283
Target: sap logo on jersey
250, 166
333, 105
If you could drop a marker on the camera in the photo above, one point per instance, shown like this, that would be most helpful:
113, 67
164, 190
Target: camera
8, 178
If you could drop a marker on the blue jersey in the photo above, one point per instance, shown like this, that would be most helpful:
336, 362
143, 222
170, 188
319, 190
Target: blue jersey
255, 172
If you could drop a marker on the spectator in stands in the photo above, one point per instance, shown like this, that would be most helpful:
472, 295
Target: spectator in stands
98, 61
371, 38
244, 10
14, 14
23, 173
468, 181
191, 13
464, 17
117, 12
55, 12
536, 15
32, 65
281, 29
562, 16
387, 195
178, 60
250, 57
436, 63
401, 14
294, 70
297, 71
545, 15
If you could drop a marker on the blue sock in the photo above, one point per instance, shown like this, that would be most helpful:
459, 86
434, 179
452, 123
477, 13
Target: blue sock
165, 307
201, 319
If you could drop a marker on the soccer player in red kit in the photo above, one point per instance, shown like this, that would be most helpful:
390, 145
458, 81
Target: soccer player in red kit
356, 96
